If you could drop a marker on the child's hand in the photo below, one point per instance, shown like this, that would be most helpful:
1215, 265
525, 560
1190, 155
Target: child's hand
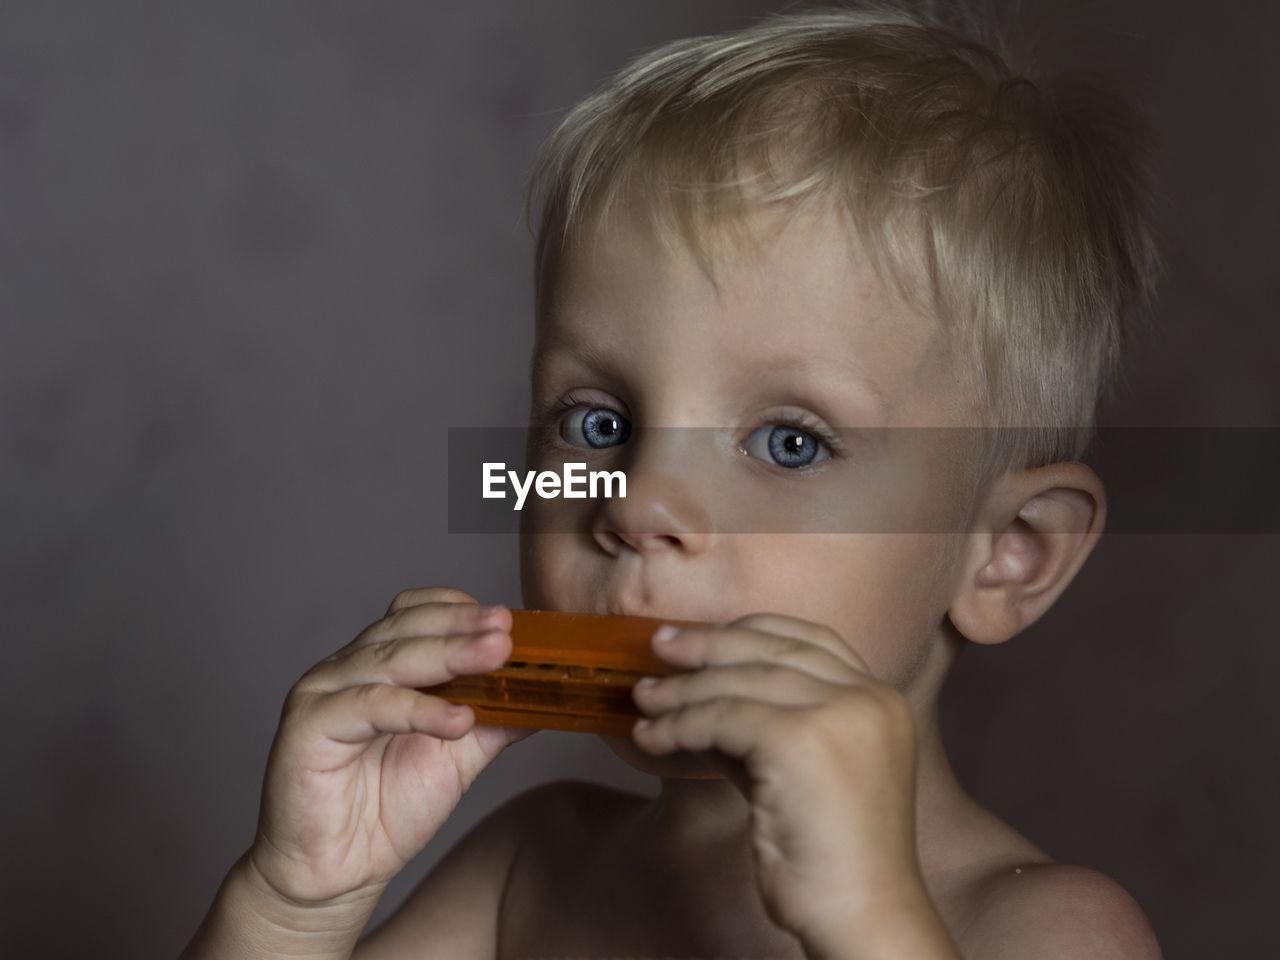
824, 752
364, 769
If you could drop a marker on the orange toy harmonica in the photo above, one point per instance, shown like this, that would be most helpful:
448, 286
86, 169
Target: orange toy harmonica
567, 671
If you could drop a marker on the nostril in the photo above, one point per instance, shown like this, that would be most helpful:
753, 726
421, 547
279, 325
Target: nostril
609, 541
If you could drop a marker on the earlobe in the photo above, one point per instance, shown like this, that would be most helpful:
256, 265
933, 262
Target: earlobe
1034, 532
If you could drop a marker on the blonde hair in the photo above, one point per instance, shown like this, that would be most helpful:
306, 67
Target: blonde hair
1013, 208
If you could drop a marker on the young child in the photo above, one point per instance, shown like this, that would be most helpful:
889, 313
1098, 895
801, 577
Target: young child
798, 238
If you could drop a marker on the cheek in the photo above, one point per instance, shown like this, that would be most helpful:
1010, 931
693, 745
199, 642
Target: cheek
910, 605
545, 570
878, 591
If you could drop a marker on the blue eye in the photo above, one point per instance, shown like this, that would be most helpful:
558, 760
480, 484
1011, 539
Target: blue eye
788, 445
600, 426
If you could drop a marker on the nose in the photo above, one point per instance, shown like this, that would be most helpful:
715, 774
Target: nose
664, 508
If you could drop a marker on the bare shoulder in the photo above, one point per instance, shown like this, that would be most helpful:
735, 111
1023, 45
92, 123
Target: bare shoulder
452, 911
1057, 910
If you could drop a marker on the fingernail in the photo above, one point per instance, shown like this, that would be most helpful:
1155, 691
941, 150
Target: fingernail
665, 633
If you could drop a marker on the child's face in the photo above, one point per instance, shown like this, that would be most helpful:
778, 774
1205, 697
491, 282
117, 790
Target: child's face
801, 327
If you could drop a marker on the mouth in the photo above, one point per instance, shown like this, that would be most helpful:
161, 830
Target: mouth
614, 608
640, 595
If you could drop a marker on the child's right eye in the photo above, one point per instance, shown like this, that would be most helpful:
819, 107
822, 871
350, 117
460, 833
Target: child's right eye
599, 426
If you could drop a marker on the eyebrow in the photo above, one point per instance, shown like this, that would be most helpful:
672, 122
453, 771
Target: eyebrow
598, 361
834, 372
605, 363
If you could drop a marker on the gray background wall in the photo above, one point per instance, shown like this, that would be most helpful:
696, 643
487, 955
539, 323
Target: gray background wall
256, 257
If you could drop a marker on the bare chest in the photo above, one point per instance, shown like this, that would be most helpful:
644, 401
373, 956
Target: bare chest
589, 884
621, 910
604, 892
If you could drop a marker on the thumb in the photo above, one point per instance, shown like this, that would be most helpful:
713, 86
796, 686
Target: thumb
494, 739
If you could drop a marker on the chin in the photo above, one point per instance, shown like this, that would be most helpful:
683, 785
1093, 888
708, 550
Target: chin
680, 765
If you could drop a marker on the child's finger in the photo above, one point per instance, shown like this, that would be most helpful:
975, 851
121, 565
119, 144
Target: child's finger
816, 633
359, 714
766, 682
733, 725
428, 619
728, 643
418, 595
409, 662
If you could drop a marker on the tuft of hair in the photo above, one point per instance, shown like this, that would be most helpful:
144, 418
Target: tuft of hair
1013, 207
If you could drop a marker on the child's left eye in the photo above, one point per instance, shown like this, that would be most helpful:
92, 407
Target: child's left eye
787, 444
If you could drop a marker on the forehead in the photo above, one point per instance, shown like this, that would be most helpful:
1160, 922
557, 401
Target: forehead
759, 256
786, 288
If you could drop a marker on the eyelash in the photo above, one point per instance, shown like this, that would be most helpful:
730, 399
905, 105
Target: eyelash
802, 422
807, 425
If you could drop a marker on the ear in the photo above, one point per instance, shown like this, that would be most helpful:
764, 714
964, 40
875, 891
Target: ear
1032, 532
